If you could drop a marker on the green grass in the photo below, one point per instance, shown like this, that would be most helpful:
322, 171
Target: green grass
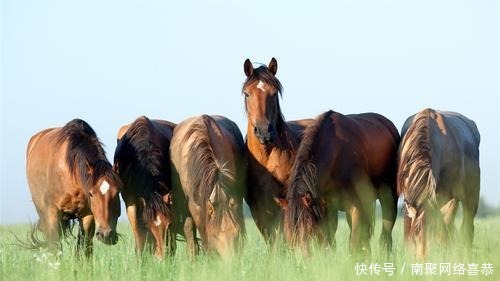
256, 262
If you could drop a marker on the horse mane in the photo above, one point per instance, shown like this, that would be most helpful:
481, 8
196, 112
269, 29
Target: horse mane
209, 173
262, 73
303, 179
148, 161
415, 177
85, 150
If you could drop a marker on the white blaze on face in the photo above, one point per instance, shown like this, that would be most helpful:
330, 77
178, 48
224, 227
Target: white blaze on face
104, 187
260, 85
157, 222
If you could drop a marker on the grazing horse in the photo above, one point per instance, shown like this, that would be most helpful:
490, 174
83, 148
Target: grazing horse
70, 178
345, 162
142, 160
271, 144
209, 170
438, 168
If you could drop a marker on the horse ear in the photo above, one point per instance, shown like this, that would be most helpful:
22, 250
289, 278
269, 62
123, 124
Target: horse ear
307, 199
248, 67
273, 66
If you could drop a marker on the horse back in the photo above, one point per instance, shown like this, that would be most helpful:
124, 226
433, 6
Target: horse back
374, 138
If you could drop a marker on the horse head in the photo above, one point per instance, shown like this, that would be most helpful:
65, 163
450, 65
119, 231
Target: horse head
261, 90
105, 207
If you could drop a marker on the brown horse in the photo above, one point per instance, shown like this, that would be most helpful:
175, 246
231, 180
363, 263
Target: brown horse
438, 168
142, 160
209, 168
70, 178
271, 144
345, 162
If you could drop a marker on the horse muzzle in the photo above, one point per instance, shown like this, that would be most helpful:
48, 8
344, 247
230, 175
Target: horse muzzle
265, 134
107, 236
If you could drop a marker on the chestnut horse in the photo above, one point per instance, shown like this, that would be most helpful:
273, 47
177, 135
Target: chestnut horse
271, 144
142, 160
208, 158
345, 162
70, 178
438, 168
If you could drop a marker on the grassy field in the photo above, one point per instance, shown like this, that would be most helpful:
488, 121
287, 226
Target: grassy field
256, 262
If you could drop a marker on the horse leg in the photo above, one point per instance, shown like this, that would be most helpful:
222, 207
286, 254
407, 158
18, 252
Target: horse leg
470, 204
469, 212
367, 217
138, 228
448, 212
388, 202
355, 222
85, 236
333, 221
360, 230
190, 234
51, 228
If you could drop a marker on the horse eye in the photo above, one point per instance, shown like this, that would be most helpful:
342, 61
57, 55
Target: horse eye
246, 94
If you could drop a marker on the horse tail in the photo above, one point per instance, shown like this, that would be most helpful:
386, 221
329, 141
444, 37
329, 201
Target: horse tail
304, 206
415, 179
33, 240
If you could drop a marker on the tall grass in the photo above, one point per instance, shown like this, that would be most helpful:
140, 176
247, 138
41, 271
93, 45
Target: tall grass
255, 262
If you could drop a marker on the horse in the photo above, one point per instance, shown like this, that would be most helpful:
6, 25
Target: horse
208, 160
69, 179
344, 162
271, 145
142, 160
438, 169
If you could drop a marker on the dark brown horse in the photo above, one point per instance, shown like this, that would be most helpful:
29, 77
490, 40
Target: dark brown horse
70, 178
271, 144
142, 160
345, 162
438, 168
209, 168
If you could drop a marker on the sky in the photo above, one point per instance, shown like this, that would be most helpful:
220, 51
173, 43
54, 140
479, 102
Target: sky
109, 62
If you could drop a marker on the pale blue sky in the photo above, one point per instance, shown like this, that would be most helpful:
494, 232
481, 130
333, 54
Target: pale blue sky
110, 61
